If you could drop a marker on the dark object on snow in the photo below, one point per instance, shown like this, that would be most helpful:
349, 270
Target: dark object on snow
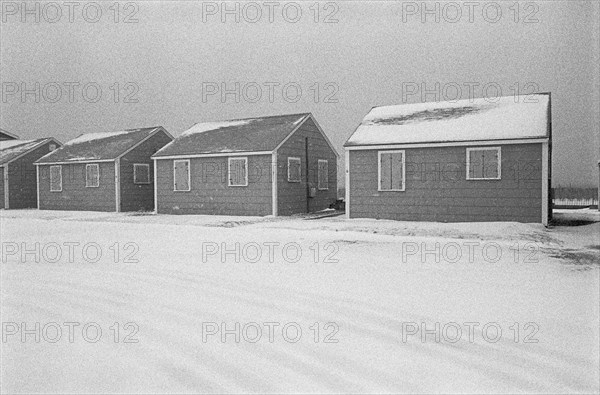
339, 204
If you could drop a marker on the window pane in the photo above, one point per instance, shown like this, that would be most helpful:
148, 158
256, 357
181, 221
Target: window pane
490, 164
294, 170
323, 174
181, 176
484, 164
55, 178
475, 165
397, 176
297, 171
391, 171
141, 174
238, 172
386, 172
234, 172
91, 176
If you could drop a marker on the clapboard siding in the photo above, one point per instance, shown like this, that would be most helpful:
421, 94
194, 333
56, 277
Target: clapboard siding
22, 191
22, 179
138, 197
210, 192
75, 195
292, 197
437, 189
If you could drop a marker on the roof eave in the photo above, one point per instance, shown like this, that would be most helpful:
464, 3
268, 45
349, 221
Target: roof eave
74, 162
324, 136
155, 130
305, 116
211, 155
9, 134
44, 141
521, 140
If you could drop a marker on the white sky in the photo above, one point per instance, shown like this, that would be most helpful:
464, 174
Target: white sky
367, 58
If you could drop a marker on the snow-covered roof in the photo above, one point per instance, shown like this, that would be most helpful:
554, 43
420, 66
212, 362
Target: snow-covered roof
91, 147
12, 149
90, 137
504, 118
238, 135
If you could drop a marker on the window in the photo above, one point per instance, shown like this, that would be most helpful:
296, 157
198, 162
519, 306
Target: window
391, 171
141, 173
92, 176
55, 178
483, 163
323, 175
181, 175
238, 172
294, 170
52, 147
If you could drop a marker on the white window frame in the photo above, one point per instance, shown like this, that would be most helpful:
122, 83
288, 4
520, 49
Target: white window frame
135, 170
468, 154
291, 159
326, 174
50, 177
229, 160
379, 153
51, 147
175, 177
88, 185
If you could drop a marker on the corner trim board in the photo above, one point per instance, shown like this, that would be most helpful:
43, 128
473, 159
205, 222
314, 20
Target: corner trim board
37, 185
347, 196
545, 177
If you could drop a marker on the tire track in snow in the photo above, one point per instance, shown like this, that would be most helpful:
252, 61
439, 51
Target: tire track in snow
87, 301
552, 371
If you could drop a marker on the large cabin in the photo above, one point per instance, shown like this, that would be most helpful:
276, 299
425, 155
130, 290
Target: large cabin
464, 161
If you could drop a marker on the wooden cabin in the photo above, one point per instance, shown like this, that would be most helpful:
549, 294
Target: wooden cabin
18, 184
277, 165
109, 171
463, 161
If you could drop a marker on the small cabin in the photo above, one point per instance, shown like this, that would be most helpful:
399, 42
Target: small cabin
18, 184
277, 165
107, 171
463, 161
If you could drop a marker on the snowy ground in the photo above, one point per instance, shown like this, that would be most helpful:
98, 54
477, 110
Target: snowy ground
363, 305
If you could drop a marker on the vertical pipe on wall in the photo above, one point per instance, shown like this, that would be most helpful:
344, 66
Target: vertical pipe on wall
6, 186
307, 175
117, 185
